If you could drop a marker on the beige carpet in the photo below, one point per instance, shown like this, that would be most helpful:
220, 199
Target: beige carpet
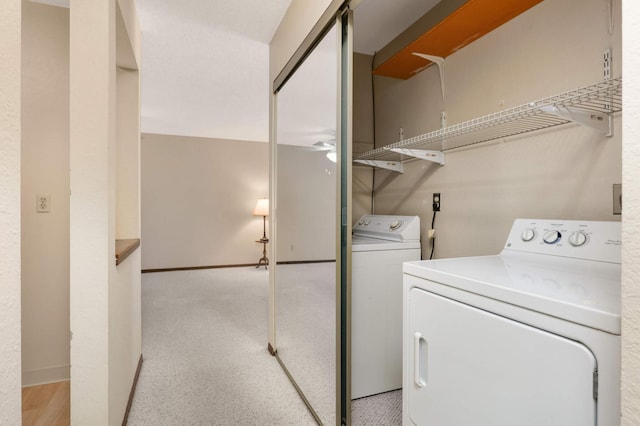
204, 340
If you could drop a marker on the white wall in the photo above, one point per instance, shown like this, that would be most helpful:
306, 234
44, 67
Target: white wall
562, 173
10, 395
45, 170
631, 218
198, 196
105, 299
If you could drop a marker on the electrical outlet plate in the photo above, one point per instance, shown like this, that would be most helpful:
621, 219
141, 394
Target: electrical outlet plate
617, 198
436, 201
43, 203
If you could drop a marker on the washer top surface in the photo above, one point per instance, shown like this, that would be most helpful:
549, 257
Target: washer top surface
578, 289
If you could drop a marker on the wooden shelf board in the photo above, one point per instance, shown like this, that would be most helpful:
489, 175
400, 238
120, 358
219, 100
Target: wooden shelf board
124, 248
466, 24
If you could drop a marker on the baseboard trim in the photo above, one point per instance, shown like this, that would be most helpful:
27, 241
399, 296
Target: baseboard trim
43, 376
298, 262
235, 265
195, 268
132, 392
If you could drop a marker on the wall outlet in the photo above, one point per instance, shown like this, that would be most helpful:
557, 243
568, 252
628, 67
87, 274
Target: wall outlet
43, 203
436, 201
617, 198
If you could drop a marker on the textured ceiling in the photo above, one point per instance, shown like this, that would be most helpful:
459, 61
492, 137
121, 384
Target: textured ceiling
205, 62
205, 66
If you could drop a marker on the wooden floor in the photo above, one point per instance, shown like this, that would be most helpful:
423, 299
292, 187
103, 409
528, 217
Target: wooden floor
46, 405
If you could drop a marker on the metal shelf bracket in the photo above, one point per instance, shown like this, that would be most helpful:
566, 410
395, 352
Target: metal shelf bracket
439, 61
423, 154
395, 166
597, 120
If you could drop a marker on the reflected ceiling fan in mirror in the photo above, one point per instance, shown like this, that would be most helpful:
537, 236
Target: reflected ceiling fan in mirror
329, 146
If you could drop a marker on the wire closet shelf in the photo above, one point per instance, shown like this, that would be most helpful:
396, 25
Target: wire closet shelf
591, 105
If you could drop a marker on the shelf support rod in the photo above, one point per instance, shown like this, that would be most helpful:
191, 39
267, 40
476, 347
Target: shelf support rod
596, 120
439, 61
423, 154
395, 166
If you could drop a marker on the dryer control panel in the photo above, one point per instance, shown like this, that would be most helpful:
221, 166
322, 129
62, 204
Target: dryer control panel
589, 240
388, 227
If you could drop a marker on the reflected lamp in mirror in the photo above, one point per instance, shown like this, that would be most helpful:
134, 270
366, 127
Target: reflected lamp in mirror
262, 209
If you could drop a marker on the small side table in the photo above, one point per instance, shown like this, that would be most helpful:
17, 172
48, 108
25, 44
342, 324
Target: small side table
264, 260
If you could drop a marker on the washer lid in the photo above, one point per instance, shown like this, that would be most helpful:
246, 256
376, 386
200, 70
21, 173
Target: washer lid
581, 291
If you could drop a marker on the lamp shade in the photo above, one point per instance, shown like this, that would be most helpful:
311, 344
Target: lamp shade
262, 208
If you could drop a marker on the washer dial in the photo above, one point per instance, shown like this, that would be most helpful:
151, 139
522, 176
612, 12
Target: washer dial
528, 235
578, 238
552, 237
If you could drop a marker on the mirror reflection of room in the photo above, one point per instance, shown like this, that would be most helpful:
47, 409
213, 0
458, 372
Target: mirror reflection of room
305, 272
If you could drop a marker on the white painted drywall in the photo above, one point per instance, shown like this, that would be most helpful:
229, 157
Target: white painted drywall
10, 394
45, 170
104, 299
563, 173
631, 217
92, 240
198, 197
125, 308
128, 154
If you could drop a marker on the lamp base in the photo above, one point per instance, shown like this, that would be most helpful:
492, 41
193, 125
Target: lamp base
264, 260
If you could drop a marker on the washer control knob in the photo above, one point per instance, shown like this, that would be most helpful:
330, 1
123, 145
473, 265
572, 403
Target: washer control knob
578, 238
367, 222
552, 237
395, 224
528, 235
361, 222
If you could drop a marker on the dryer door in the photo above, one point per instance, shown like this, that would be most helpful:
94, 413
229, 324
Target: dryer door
467, 366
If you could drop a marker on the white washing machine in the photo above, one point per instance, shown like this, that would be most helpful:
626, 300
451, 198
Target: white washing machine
380, 245
528, 337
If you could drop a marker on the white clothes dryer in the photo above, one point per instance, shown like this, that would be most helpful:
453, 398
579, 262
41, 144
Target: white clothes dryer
380, 245
528, 337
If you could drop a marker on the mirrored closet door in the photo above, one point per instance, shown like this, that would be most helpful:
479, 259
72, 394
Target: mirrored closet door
311, 226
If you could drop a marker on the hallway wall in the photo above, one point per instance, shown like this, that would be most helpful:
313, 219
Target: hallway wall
10, 395
45, 170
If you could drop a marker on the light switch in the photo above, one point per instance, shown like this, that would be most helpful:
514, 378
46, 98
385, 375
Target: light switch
43, 203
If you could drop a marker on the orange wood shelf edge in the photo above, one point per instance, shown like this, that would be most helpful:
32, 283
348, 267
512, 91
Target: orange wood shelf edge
468, 23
